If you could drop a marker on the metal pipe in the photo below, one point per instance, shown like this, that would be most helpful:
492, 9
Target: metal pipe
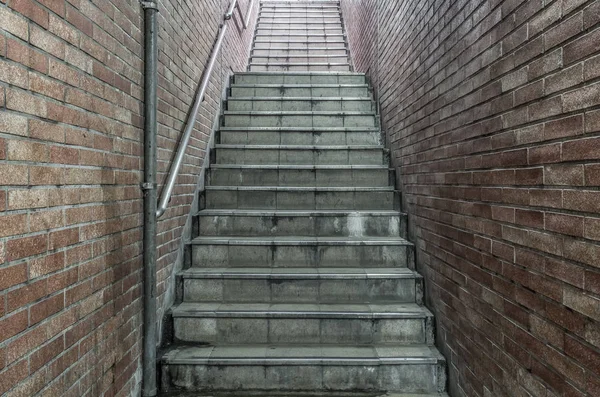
167, 191
229, 12
240, 11
248, 13
150, 195
191, 120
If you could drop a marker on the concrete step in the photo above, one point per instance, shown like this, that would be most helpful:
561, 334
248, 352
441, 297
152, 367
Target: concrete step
292, 53
295, 90
305, 79
330, 58
258, 118
301, 38
332, 223
299, 175
306, 323
294, 3
299, 198
293, 40
307, 13
284, 368
286, 31
298, 154
315, 104
302, 285
299, 136
313, 19
307, 24
263, 393
274, 43
296, 251
279, 67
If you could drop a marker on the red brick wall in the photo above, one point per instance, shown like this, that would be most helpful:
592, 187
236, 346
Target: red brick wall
492, 112
70, 167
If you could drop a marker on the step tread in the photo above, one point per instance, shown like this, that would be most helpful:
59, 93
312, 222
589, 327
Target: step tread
304, 188
303, 129
301, 85
299, 98
297, 113
302, 273
300, 167
302, 355
298, 63
298, 240
311, 213
303, 310
309, 73
300, 147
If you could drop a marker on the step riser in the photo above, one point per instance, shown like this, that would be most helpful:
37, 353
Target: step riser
299, 68
319, 226
302, 200
286, 32
400, 290
278, 44
303, 23
421, 378
305, 53
294, 157
299, 59
294, 41
300, 178
295, 120
315, 105
344, 79
299, 138
301, 256
226, 330
296, 92
310, 20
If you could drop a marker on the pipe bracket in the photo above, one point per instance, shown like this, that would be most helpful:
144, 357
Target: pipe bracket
149, 5
149, 186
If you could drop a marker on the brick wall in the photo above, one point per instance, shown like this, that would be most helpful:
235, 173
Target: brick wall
492, 111
70, 167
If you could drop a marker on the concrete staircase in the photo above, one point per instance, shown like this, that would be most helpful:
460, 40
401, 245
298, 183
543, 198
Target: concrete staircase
299, 277
299, 36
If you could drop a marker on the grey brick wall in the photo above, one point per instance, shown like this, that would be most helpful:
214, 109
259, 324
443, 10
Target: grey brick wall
491, 109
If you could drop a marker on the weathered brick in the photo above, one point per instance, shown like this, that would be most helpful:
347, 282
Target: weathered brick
26, 246
563, 31
47, 264
46, 308
13, 324
14, 23
564, 174
581, 149
31, 10
27, 151
12, 275
581, 47
13, 174
582, 98
564, 224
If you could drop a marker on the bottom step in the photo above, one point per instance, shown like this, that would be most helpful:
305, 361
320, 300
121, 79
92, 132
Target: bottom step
294, 394
314, 368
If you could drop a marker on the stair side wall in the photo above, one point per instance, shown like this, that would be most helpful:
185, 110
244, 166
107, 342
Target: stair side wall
71, 144
491, 114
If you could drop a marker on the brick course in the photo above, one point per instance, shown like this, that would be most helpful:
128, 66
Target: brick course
71, 91
490, 109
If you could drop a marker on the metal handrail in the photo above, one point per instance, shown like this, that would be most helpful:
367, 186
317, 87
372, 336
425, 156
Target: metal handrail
167, 191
